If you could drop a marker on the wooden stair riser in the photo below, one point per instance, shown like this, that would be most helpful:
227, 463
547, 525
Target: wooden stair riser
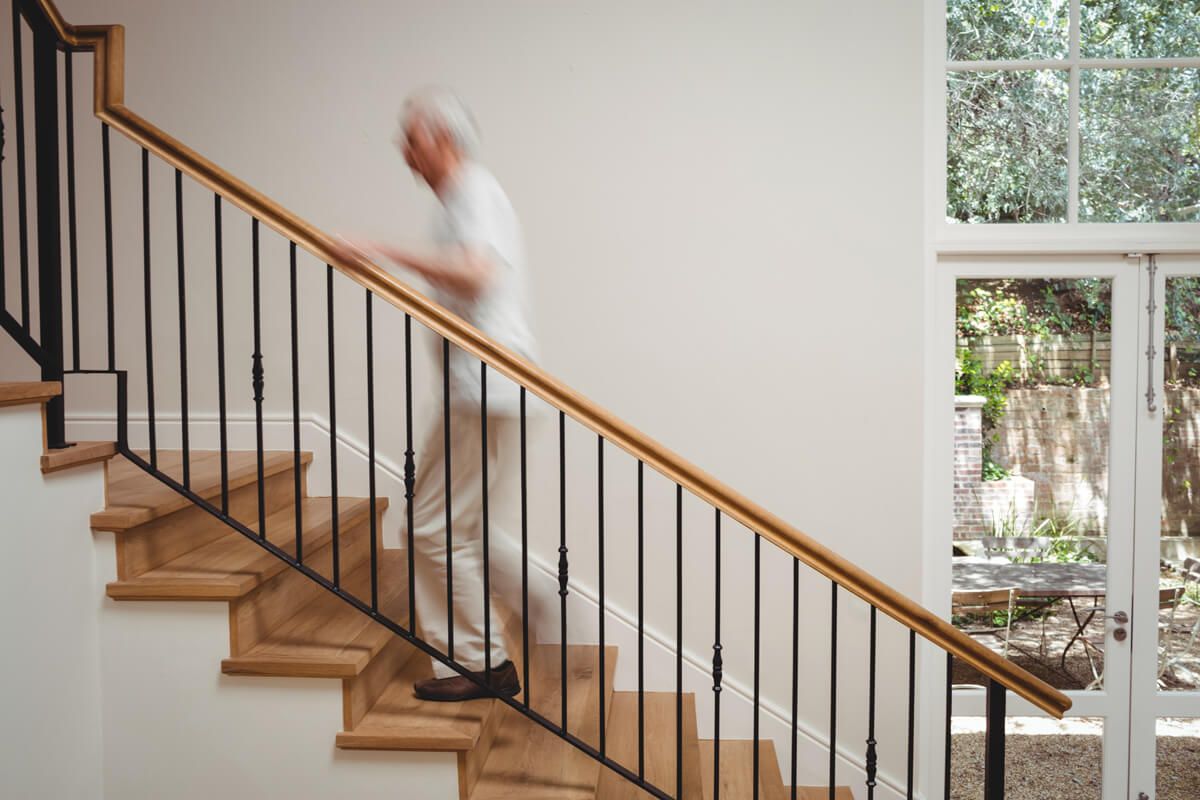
154, 543
275, 601
360, 692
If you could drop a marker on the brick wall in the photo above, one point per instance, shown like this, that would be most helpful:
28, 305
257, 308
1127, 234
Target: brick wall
981, 508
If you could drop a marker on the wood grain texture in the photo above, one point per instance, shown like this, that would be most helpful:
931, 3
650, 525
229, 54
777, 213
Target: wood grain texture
231, 566
327, 638
660, 746
23, 392
135, 497
81, 453
362, 691
737, 770
526, 760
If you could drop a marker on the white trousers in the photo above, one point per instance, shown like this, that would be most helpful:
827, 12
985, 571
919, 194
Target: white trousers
461, 565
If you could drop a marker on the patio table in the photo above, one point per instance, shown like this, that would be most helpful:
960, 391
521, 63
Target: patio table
1044, 579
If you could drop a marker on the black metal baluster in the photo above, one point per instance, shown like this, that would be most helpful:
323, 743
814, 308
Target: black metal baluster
993, 757
562, 553
371, 453
524, 558
410, 471
641, 604
333, 442
912, 703
149, 303
224, 427
296, 471
872, 758
3, 250
949, 707
183, 370
72, 238
257, 376
795, 661
717, 662
449, 539
833, 631
600, 530
49, 225
108, 250
487, 585
22, 204
678, 640
757, 627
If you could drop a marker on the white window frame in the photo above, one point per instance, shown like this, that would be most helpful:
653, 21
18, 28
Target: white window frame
1062, 237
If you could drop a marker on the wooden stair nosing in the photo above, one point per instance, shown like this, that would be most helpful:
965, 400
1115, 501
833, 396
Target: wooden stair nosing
28, 392
170, 581
352, 638
133, 480
79, 454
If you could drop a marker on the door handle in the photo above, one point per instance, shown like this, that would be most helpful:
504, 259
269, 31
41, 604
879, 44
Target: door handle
1121, 618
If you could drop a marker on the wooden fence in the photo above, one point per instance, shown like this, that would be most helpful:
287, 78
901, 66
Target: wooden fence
1068, 356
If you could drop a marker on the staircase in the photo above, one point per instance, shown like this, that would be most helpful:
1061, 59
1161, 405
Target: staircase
296, 571
282, 624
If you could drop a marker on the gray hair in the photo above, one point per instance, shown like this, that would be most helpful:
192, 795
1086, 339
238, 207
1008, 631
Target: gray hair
438, 108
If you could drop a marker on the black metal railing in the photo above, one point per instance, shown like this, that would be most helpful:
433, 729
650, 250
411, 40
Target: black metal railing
48, 346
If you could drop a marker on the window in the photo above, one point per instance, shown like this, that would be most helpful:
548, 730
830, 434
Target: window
1066, 111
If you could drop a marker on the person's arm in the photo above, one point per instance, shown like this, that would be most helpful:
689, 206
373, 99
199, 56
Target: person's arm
464, 271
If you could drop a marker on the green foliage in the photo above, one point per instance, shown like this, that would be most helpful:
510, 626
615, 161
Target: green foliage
1007, 130
1012, 306
993, 386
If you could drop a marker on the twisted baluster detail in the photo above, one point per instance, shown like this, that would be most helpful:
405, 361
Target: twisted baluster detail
716, 668
872, 760
562, 571
256, 373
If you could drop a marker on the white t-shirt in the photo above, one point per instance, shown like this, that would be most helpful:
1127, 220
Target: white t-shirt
476, 213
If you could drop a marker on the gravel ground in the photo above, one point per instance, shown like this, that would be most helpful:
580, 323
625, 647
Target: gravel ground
1067, 767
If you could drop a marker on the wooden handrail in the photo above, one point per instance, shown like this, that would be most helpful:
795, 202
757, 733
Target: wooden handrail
108, 43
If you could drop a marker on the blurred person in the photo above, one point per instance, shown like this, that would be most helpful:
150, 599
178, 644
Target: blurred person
477, 270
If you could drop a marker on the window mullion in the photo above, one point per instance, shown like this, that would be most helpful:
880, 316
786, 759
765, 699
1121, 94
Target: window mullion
1073, 118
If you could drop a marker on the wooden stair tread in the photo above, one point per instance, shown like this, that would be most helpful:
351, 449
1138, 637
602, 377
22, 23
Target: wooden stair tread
22, 392
80, 453
136, 497
660, 746
399, 721
528, 761
329, 638
737, 770
231, 566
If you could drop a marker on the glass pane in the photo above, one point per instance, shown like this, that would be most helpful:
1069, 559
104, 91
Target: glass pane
985, 30
1140, 28
1179, 592
1031, 474
1139, 133
1006, 157
1177, 762
1043, 758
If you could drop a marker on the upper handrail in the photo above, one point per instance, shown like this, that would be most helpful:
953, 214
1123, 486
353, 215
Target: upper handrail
108, 44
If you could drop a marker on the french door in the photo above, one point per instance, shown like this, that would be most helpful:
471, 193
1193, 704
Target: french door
1164, 676
1103, 445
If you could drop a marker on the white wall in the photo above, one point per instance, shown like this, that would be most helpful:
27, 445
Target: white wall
49, 620
723, 218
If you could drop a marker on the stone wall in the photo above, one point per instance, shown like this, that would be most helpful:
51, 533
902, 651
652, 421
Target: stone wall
983, 508
1058, 436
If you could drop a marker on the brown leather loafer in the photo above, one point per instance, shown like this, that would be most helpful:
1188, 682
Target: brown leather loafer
502, 680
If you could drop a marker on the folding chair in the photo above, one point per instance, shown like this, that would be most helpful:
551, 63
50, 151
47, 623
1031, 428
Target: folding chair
1191, 577
984, 603
1168, 599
